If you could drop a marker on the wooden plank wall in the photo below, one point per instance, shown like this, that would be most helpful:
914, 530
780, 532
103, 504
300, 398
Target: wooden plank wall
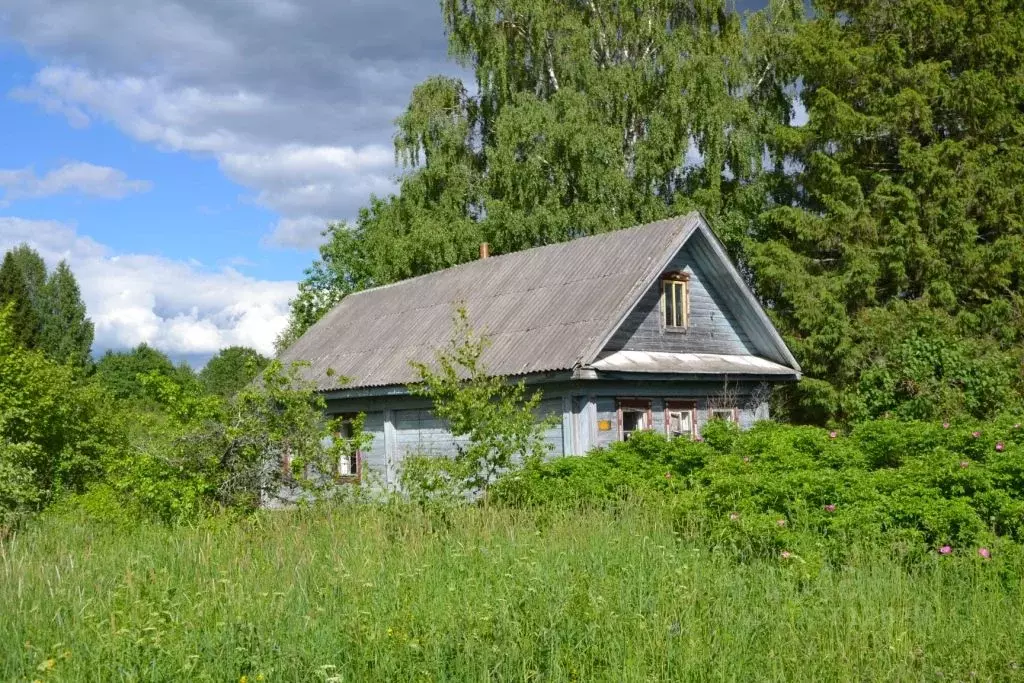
713, 326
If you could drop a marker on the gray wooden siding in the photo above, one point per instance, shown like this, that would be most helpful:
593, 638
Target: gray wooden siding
416, 431
713, 328
374, 455
554, 436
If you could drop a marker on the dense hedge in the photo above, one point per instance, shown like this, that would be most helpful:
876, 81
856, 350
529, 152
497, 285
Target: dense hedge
921, 486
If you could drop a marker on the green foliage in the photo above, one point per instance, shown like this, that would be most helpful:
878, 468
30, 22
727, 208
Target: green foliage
497, 418
21, 288
896, 204
386, 593
121, 372
198, 454
775, 488
54, 430
67, 334
231, 369
46, 312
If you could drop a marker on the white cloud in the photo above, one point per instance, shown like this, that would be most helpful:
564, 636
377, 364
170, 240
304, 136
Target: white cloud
296, 100
297, 232
176, 306
76, 176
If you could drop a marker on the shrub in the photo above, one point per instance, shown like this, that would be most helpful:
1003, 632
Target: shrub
782, 488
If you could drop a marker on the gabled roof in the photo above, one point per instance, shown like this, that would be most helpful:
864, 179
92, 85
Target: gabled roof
545, 309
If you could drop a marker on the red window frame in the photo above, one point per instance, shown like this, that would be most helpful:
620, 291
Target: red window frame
633, 403
681, 406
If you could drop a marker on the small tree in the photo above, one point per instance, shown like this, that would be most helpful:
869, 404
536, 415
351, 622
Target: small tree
497, 417
231, 370
240, 453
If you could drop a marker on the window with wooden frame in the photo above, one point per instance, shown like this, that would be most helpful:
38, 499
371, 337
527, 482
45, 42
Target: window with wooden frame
675, 301
727, 414
350, 463
634, 416
288, 472
681, 419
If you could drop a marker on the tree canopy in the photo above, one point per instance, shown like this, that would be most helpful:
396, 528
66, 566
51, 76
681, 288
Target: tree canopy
46, 312
884, 236
231, 369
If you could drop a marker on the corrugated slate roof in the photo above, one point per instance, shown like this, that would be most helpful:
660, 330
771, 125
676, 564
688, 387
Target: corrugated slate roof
544, 309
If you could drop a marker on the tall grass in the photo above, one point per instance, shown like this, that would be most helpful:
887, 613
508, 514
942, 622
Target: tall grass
392, 593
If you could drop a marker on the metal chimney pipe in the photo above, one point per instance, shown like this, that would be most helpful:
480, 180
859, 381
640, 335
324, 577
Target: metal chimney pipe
485, 250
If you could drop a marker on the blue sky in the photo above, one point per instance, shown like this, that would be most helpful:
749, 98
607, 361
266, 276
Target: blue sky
184, 156
192, 211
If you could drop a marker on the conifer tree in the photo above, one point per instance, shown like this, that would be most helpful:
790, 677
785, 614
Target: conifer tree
893, 259
67, 334
18, 279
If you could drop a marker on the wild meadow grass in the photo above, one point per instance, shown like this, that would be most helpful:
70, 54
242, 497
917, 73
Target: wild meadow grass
393, 593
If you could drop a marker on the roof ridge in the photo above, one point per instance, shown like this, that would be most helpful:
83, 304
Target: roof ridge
497, 257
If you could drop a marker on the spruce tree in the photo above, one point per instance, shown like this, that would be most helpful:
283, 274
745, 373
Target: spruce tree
893, 259
67, 334
17, 280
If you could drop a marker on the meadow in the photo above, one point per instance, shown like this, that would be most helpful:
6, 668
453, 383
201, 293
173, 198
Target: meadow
397, 592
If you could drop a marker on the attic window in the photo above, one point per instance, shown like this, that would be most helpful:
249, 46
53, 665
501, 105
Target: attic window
675, 300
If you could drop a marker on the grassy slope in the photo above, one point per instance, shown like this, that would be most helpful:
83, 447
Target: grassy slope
389, 594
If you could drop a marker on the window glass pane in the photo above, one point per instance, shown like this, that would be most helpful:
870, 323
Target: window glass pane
633, 419
680, 423
666, 289
678, 291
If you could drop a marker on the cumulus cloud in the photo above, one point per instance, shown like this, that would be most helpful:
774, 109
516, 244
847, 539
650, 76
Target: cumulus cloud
179, 307
296, 100
76, 176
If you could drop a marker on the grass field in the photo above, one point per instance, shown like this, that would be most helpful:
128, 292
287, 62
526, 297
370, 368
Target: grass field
364, 593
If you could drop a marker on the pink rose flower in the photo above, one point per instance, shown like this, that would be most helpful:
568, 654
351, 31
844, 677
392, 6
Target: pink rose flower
830, 508
976, 434
945, 550
984, 552
1000, 447
945, 425
832, 435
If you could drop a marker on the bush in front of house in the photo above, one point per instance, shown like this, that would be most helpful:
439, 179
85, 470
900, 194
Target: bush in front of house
779, 488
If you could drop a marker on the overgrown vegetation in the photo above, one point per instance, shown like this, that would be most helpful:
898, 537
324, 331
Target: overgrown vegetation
133, 437
885, 237
396, 593
495, 420
911, 487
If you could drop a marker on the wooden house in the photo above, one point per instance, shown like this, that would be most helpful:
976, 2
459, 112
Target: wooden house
650, 327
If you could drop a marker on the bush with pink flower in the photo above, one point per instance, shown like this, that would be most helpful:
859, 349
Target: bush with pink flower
921, 485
